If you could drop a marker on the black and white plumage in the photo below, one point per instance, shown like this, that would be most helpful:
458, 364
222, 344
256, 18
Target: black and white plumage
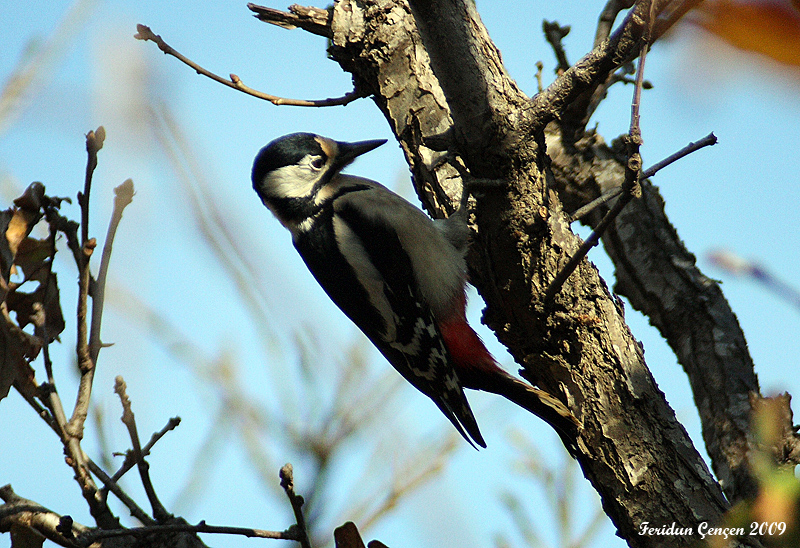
397, 274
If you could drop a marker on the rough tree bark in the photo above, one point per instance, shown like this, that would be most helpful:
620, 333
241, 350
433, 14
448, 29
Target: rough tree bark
434, 72
439, 80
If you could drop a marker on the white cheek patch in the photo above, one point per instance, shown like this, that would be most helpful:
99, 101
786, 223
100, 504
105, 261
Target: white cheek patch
294, 181
290, 182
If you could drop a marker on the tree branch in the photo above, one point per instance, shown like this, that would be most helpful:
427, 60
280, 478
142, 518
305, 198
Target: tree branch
521, 238
574, 95
159, 512
21, 512
314, 20
123, 196
708, 140
110, 485
97, 534
554, 34
144, 33
480, 93
287, 482
94, 142
658, 275
130, 458
630, 186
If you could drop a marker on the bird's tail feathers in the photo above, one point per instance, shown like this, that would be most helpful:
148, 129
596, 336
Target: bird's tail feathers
478, 370
460, 414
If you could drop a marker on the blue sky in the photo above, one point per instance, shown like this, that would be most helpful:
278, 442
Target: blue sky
742, 194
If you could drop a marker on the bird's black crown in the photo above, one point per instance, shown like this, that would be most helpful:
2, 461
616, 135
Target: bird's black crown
285, 151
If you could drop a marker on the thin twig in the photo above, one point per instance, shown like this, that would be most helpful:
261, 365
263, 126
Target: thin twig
287, 482
159, 512
144, 33
123, 196
694, 146
94, 142
97, 534
48, 363
85, 363
71, 432
130, 460
554, 34
43, 412
109, 485
607, 18
56, 419
606, 197
630, 186
708, 140
539, 69
49, 395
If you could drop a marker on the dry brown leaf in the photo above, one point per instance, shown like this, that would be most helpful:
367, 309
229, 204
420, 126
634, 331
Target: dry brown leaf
768, 28
16, 349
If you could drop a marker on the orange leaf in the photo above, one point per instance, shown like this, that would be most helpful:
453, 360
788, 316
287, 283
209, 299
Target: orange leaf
769, 28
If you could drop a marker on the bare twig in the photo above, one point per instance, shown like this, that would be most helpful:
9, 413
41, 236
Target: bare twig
708, 140
144, 33
539, 69
71, 432
96, 534
287, 482
555, 33
592, 70
94, 142
85, 363
48, 363
694, 146
110, 485
159, 512
58, 423
607, 18
606, 197
43, 412
130, 460
123, 196
630, 186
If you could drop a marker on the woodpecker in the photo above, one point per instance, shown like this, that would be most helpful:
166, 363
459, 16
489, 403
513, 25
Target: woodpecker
396, 273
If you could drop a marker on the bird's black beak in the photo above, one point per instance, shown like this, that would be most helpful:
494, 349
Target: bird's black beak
350, 151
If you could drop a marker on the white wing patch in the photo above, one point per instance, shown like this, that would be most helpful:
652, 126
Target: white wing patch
366, 273
440, 267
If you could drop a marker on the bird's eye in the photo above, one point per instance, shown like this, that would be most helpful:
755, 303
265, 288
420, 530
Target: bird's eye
317, 162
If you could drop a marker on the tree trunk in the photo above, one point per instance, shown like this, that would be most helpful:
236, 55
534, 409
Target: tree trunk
452, 106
